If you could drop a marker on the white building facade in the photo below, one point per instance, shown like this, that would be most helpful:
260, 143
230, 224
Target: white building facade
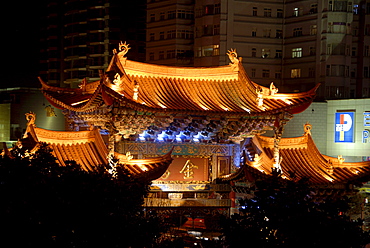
296, 44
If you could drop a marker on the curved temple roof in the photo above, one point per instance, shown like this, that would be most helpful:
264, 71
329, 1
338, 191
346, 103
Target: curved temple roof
301, 158
223, 90
88, 149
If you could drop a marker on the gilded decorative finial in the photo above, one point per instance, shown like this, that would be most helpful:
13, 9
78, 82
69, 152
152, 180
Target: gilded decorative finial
273, 89
30, 117
307, 128
123, 48
340, 159
233, 56
259, 98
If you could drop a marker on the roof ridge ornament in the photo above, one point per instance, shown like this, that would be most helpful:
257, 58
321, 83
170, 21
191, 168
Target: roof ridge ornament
233, 56
30, 117
273, 89
259, 98
341, 159
307, 128
122, 48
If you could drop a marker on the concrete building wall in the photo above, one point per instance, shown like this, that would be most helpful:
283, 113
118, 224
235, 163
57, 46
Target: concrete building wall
316, 115
15, 103
4, 122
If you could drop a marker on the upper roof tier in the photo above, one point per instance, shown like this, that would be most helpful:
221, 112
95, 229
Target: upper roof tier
223, 90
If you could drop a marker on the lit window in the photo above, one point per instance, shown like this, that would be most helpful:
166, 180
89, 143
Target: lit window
212, 50
265, 53
216, 50
207, 51
313, 30
297, 52
295, 73
296, 12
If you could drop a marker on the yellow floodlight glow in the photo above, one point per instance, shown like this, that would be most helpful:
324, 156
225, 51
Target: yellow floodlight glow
79, 102
142, 167
161, 105
204, 107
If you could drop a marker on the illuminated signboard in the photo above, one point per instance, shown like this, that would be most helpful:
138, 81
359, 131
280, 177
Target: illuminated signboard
367, 119
344, 127
366, 131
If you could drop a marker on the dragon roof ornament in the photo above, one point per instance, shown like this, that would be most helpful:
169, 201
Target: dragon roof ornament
122, 48
233, 56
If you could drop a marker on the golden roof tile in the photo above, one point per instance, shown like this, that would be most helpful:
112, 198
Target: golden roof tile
300, 157
225, 90
88, 149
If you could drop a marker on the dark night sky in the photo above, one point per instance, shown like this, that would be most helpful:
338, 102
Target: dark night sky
20, 42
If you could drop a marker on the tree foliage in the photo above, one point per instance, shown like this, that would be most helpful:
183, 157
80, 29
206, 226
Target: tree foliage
47, 205
287, 214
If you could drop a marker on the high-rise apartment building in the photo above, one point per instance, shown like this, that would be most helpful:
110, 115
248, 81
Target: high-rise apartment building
295, 44
78, 37
170, 32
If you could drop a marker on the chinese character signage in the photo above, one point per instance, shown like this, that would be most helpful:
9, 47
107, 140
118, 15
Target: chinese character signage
187, 169
344, 127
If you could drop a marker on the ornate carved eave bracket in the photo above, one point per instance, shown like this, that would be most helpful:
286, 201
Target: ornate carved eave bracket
279, 125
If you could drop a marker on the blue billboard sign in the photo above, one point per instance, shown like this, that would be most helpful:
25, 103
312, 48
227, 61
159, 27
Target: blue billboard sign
344, 127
